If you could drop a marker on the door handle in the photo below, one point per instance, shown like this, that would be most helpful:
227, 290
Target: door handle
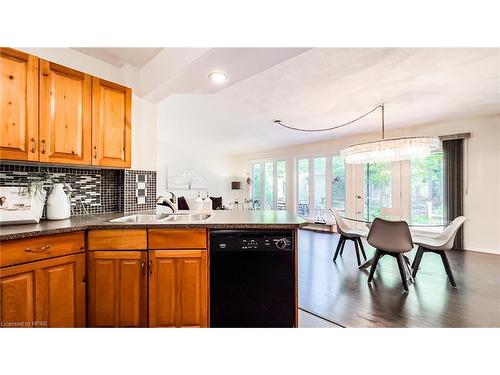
150, 266
33, 145
43, 146
143, 267
95, 152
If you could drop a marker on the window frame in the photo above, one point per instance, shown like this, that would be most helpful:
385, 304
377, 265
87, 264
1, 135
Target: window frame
262, 163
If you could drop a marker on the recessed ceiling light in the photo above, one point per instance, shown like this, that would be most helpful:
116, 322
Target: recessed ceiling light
218, 77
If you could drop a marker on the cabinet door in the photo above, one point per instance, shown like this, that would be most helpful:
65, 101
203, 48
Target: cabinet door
17, 296
65, 115
61, 291
117, 288
178, 288
46, 293
111, 121
18, 105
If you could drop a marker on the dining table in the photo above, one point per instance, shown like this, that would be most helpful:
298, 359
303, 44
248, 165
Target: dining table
415, 228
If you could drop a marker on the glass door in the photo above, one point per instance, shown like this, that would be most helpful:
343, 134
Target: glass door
319, 184
378, 191
303, 187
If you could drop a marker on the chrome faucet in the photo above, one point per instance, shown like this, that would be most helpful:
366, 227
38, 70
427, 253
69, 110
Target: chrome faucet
172, 202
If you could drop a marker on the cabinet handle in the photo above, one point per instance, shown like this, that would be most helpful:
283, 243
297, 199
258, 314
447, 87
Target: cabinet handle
43, 146
143, 267
33, 145
95, 152
43, 249
150, 266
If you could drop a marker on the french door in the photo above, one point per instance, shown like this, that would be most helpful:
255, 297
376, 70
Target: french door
376, 189
402, 190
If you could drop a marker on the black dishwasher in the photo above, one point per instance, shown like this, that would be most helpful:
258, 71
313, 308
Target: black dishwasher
252, 278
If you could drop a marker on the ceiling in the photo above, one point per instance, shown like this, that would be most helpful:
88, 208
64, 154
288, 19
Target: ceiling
322, 87
137, 57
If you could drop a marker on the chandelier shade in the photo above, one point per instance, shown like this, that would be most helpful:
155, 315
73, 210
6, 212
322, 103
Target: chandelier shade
390, 149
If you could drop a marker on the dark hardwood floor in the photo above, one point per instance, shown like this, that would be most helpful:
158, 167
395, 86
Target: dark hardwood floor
339, 291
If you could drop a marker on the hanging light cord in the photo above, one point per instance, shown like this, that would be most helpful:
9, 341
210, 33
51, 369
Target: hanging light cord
279, 122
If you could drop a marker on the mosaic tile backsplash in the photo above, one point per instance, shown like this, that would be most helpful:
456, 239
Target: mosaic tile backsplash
134, 190
94, 190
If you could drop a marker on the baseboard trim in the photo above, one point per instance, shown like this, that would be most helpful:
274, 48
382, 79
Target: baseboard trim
483, 250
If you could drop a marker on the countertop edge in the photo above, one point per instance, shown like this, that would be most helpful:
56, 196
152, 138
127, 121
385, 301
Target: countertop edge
107, 225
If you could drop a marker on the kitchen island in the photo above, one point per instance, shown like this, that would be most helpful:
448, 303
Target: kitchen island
88, 271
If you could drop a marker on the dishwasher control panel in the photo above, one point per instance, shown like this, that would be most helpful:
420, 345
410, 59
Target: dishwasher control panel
252, 241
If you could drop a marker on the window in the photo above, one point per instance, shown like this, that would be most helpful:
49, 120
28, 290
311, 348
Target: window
303, 187
378, 189
319, 194
281, 185
427, 189
338, 184
257, 184
269, 185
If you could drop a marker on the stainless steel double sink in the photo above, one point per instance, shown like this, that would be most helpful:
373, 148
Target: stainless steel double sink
162, 218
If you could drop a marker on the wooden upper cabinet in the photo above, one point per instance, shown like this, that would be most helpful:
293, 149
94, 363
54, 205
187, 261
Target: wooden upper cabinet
18, 105
111, 120
65, 115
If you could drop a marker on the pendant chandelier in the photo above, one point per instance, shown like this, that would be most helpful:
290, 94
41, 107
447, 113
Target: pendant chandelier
384, 149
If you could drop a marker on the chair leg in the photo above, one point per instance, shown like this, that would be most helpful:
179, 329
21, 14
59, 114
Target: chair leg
342, 247
417, 260
357, 250
361, 247
447, 267
402, 271
376, 257
339, 245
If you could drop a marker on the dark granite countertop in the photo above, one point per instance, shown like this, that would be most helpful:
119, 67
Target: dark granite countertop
218, 220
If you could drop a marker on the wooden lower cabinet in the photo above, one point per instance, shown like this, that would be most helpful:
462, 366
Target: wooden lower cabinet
117, 288
45, 293
178, 288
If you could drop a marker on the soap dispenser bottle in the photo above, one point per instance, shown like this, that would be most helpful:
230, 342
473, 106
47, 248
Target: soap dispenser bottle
198, 203
207, 203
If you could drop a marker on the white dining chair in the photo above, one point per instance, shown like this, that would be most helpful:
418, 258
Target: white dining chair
437, 243
348, 233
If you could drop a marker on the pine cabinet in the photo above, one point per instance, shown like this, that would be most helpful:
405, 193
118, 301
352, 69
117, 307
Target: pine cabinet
54, 114
18, 105
111, 112
178, 288
117, 288
45, 293
65, 115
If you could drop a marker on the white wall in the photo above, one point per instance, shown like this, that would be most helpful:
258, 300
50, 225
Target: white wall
143, 111
179, 148
482, 201
143, 134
